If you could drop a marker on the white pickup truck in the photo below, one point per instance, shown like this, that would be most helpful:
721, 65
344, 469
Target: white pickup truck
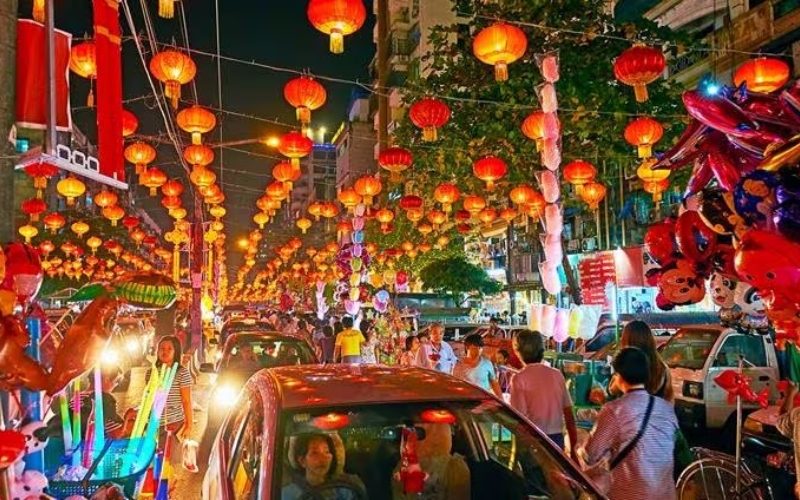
697, 355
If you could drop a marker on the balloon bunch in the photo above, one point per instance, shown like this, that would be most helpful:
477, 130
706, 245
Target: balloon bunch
736, 384
740, 304
561, 324
353, 260
548, 179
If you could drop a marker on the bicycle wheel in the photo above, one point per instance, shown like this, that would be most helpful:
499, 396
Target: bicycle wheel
714, 479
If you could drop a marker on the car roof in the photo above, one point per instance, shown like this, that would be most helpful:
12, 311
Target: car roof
345, 384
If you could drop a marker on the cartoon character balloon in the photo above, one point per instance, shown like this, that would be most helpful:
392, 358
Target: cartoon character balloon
16, 368
23, 271
722, 290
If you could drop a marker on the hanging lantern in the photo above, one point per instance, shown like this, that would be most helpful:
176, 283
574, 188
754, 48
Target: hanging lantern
522, 195
638, 66
114, 213
462, 216
295, 145
656, 188
762, 74
425, 229
141, 155
261, 219
217, 212
70, 188
315, 209
329, 210
178, 213
500, 45
40, 172
349, 198
337, 19
368, 187
196, 121
410, 202
593, 193
286, 173
202, 177
474, 204
80, 228
153, 178
646, 173
304, 223
490, 169
306, 95
385, 217
138, 236
643, 133
38, 10
277, 191
173, 69
172, 187
27, 231
442, 241
171, 202
446, 194
429, 114
508, 214
198, 154
130, 222
33, 207
487, 216
415, 214
106, 198
395, 160
437, 218
94, 243
166, 9
579, 173
129, 123
83, 62
533, 128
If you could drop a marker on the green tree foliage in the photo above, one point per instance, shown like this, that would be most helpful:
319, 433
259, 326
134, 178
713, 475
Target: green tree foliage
457, 277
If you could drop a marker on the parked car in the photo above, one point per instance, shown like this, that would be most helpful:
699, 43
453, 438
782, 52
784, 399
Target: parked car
242, 324
243, 354
696, 356
487, 449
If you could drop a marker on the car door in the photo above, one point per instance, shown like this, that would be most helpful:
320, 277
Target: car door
244, 466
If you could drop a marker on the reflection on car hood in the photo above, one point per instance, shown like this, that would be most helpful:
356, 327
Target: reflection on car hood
233, 378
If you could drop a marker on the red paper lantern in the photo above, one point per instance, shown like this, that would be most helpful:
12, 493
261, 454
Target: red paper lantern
198, 154
429, 114
462, 215
140, 154
196, 121
83, 62
306, 95
172, 187
533, 128
337, 19
368, 187
523, 195
129, 123
295, 145
643, 133
114, 213
169, 202
384, 216
490, 169
411, 202
54, 221
395, 160
286, 173
474, 204
446, 194
173, 69
638, 66
154, 178
579, 173
762, 74
130, 222
593, 193
33, 207
40, 172
500, 45
277, 191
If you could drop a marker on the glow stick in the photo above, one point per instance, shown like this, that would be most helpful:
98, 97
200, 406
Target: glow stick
87, 444
161, 403
145, 405
76, 421
99, 426
66, 423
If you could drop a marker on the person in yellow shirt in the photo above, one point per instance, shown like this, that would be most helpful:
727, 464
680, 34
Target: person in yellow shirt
348, 343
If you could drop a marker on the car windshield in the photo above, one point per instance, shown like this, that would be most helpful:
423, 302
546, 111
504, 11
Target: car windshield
689, 348
464, 449
255, 354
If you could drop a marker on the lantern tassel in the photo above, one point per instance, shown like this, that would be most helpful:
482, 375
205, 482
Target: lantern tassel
645, 150
295, 162
640, 91
176, 265
304, 116
429, 134
90, 98
166, 8
337, 42
197, 138
501, 72
38, 11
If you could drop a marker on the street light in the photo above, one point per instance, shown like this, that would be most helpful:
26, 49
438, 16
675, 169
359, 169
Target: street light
244, 243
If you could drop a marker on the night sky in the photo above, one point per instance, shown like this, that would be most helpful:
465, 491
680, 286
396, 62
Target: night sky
271, 32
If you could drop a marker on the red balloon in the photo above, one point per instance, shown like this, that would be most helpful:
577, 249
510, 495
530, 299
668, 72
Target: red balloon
723, 260
23, 271
680, 284
700, 177
685, 150
696, 241
17, 369
12, 447
769, 262
721, 114
84, 342
659, 242
728, 380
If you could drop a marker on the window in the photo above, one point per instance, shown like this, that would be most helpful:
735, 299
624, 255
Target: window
749, 346
689, 348
245, 460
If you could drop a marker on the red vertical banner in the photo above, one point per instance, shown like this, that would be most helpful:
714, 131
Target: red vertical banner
630, 267
32, 86
596, 272
108, 40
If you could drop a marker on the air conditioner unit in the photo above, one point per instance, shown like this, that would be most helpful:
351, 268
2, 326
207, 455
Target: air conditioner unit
589, 244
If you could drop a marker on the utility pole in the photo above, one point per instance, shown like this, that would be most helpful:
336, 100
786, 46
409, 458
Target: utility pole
8, 75
383, 73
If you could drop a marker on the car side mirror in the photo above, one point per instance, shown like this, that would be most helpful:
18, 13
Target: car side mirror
207, 368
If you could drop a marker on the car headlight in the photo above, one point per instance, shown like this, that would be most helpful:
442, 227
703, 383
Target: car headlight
693, 390
110, 357
225, 396
132, 346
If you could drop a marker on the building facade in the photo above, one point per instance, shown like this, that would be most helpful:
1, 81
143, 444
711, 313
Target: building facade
354, 143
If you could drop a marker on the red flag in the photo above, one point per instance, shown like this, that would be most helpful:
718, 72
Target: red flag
108, 37
32, 85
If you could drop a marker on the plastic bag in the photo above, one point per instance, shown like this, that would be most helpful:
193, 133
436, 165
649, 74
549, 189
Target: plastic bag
189, 451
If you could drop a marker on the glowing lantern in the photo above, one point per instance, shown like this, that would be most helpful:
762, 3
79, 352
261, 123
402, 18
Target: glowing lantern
415, 214
462, 216
303, 223
114, 213
138, 236
446, 194
173, 69
94, 243
196, 121
395, 160
490, 169
593, 193
70, 188
178, 213
337, 18
33, 207
329, 210
508, 214
522, 195
639, 66
171, 202
83, 62
261, 219
646, 173
385, 217
106, 198
368, 187
40, 172
315, 209
80, 228
533, 128
129, 123
349, 198
198, 154
437, 218
429, 114
140, 154
130, 222
166, 8
27, 231
286, 173
202, 177
172, 187
579, 173
443, 241
424, 247
474, 204
306, 95
38, 10
295, 145
762, 74
643, 133
656, 188
154, 178
410, 202
487, 216
500, 45
217, 212
277, 191
295, 243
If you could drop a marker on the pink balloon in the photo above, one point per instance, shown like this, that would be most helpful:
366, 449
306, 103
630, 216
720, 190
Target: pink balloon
358, 223
547, 96
549, 184
548, 271
560, 329
548, 322
553, 219
551, 154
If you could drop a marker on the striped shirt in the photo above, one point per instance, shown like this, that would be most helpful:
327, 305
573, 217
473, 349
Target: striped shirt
646, 473
173, 412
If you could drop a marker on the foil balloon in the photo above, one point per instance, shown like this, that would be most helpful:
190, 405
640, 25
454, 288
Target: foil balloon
685, 150
748, 300
723, 260
722, 290
769, 262
549, 184
12, 447
358, 237
700, 177
720, 113
723, 170
83, 343
659, 242
754, 196
716, 209
786, 155
358, 223
402, 278
8, 300
786, 215
145, 290
695, 240
2, 265
352, 307
17, 369
679, 283
24, 273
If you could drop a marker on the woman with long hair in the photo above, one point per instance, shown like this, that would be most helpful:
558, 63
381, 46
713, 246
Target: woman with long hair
638, 334
177, 416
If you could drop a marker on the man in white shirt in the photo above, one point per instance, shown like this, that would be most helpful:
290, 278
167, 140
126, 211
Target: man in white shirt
436, 354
